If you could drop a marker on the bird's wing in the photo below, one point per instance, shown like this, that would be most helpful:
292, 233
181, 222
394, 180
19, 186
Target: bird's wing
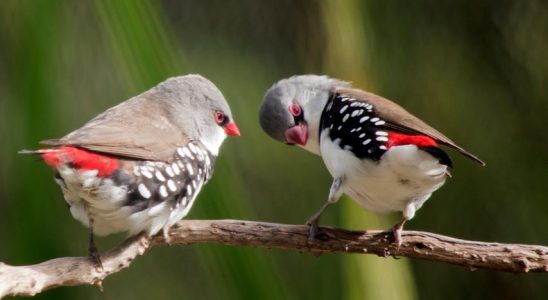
397, 118
131, 129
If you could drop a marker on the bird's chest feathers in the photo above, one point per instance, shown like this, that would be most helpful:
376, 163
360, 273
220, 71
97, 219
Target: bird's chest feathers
403, 174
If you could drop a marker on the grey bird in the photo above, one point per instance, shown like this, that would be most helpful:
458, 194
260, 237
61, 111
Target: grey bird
379, 154
139, 165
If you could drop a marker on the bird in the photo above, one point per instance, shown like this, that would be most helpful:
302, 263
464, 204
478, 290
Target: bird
138, 166
379, 154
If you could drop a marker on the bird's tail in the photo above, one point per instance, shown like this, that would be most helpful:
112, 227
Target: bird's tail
25, 151
34, 152
50, 156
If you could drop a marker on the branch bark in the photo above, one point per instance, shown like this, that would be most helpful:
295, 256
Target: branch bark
70, 271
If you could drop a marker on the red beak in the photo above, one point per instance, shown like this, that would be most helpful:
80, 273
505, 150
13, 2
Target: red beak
297, 134
232, 129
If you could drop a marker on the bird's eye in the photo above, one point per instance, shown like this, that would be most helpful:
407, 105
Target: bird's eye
219, 117
295, 109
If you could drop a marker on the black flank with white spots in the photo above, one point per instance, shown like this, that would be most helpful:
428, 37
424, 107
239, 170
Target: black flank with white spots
354, 126
177, 182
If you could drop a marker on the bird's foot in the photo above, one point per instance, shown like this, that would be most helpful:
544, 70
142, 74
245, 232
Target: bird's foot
95, 257
167, 237
396, 232
313, 230
314, 220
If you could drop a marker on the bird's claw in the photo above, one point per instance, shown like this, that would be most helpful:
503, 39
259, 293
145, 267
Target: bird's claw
95, 257
396, 232
313, 230
97, 262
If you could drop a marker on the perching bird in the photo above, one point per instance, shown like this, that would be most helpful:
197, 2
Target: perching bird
139, 165
379, 154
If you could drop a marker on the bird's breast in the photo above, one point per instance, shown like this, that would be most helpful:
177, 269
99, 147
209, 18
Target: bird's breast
402, 175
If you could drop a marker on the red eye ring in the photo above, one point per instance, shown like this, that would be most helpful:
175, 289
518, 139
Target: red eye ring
295, 109
219, 117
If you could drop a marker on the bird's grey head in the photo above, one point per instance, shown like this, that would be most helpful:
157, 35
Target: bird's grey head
292, 106
196, 105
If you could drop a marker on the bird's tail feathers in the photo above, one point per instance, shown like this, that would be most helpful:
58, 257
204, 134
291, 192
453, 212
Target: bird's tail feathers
35, 152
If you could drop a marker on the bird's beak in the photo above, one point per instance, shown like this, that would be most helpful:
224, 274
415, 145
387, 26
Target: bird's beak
232, 129
297, 134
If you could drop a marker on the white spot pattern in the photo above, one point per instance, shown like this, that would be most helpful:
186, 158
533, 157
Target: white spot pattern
175, 169
169, 171
171, 185
189, 190
146, 173
187, 153
144, 191
381, 122
163, 191
159, 176
190, 170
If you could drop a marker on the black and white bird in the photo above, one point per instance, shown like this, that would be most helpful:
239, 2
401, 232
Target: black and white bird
379, 154
139, 165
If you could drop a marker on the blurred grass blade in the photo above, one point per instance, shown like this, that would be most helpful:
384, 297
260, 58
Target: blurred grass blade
365, 277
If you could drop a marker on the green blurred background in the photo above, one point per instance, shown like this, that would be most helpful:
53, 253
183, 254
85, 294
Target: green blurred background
476, 70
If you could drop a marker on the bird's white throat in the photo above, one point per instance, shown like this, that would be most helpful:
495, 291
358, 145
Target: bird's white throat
213, 140
313, 113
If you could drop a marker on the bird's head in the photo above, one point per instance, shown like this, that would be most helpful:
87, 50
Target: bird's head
197, 106
292, 108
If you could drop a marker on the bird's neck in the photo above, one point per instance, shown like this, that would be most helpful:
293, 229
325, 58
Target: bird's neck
214, 144
212, 138
313, 115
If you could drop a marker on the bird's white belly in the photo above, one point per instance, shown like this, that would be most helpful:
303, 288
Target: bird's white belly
99, 199
402, 180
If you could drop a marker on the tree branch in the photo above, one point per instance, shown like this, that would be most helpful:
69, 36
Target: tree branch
70, 271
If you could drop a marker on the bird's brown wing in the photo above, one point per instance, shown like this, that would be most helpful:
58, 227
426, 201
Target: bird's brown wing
136, 129
397, 118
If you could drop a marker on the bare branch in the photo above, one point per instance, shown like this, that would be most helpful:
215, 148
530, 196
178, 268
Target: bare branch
70, 271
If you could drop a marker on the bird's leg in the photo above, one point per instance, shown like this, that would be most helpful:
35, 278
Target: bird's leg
334, 194
314, 219
396, 231
92, 249
167, 237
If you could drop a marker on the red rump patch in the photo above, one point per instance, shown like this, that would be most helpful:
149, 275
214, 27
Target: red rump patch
397, 139
80, 159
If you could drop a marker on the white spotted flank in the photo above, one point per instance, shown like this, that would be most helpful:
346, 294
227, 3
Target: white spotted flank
163, 191
144, 191
171, 185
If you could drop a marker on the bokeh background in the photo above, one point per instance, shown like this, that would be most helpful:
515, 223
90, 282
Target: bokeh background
476, 70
